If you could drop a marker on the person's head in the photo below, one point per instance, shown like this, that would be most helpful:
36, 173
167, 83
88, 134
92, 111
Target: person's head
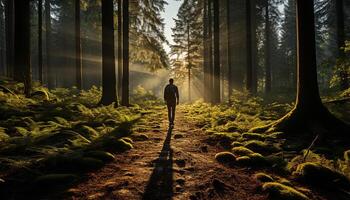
171, 81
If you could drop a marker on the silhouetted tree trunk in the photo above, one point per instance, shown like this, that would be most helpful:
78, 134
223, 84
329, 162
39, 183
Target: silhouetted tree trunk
254, 47
344, 84
40, 40
22, 68
229, 49
206, 63
309, 114
210, 49
120, 49
78, 56
189, 61
109, 90
9, 18
249, 80
125, 88
50, 71
267, 50
216, 84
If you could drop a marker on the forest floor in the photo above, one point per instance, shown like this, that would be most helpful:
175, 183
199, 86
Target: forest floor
171, 164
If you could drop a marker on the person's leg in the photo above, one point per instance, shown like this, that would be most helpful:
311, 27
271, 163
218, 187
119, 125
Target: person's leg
173, 110
169, 112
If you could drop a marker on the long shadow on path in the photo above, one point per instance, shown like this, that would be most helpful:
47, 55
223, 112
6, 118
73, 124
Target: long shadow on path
160, 184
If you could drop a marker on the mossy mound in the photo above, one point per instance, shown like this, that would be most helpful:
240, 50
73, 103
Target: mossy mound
127, 139
279, 191
276, 135
112, 144
100, 155
260, 147
52, 180
253, 136
236, 144
317, 174
88, 132
226, 158
241, 151
253, 160
262, 177
347, 156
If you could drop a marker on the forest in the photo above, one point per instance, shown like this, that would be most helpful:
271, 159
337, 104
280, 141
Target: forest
262, 108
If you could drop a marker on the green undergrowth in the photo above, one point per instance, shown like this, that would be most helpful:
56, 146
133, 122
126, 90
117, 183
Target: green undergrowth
54, 136
227, 127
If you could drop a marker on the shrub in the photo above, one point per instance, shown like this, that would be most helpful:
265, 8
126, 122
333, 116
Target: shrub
279, 191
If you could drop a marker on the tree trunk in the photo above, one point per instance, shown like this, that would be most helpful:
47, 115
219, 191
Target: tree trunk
210, 49
120, 49
22, 69
267, 50
189, 61
9, 36
125, 88
254, 48
216, 84
109, 90
206, 51
50, 71
40, 40
229, 50
309, 114
78, 55
249, 80
344, 84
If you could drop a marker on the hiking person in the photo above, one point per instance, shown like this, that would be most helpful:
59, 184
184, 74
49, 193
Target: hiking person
171, 97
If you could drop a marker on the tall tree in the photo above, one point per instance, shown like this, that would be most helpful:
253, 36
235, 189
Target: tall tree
229, 48
40, 40
216, 57
206, 63
109, 90
22, 68
344, 84
120, 49
78, 55
9, 18
249, 83
125, 85
309, 112
50, 71
267, 48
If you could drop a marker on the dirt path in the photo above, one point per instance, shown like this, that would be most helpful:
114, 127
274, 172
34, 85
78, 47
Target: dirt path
171, 164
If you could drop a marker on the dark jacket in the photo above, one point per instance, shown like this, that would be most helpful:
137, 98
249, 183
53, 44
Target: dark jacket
171, 93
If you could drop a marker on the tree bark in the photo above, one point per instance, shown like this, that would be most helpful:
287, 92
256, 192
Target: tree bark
50, 71
9, 16
40, 40
22, 68
120, 49
344, 84
249, 71
109, 90
125, 88
229, 49
78, 54
254, 47
216, 83
267, 50
189, 61
210, 54
206, 51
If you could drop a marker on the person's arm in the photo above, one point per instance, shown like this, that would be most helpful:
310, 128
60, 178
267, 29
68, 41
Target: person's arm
165, 90
177, 95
